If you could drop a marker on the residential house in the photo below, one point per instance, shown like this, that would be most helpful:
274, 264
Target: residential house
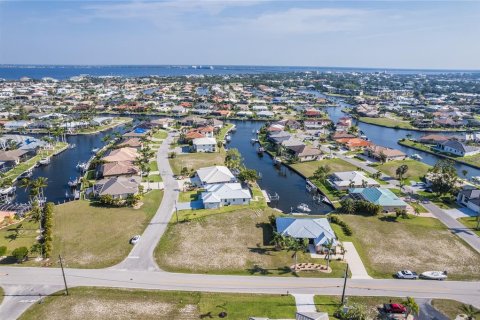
193, 121
354, 143
385, 198
457, 148
132, 143
376, 152
118, 168
433, 138
215, 175
265, 114
351, 179
118, 187
317, 231
469, 196
204, 145
122, 154
225, 194
11, 158
16, 125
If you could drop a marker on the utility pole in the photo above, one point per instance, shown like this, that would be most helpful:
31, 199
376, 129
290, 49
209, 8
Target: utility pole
176, 210
345, 284
63, 274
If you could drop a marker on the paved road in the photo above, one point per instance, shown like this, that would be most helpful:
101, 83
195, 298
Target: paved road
456, 227
428, 312
142, 255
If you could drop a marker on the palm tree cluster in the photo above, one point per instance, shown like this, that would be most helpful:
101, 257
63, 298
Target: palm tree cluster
351, 206
143, 160
400, 172
35, 187
321, 173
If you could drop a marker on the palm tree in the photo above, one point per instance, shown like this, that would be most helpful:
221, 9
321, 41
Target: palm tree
41, 183
25, 183
400, 172
296, 245
278, 240
470, 311
411, 305
328, 245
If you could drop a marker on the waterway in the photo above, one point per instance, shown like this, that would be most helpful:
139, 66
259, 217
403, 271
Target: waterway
388, 137
281, 180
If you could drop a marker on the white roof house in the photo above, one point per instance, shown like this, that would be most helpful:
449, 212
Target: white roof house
318, 230
349, 179
217, 195
204, 144
215, 174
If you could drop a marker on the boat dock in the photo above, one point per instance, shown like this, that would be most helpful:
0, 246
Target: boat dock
266, 196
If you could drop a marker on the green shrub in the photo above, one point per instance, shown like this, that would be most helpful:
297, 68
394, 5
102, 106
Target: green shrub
20, 254
3, 250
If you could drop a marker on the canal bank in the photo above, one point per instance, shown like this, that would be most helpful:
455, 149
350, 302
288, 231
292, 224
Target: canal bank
281, 180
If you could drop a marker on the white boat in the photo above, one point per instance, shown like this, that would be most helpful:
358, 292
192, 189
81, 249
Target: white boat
258, 131
277, 161
416, 156
44, 161
8, 190
476, 179
434, 275
82, 166
303, 207
254, 140
228, 138
71, 146
95, 150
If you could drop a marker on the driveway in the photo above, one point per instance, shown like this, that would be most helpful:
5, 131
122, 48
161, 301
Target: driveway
355, 262
191, 205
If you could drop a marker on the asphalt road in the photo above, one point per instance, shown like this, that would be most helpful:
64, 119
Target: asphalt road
141, 256
25, 286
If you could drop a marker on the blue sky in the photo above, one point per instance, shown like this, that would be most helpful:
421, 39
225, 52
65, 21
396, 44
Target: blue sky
394, 34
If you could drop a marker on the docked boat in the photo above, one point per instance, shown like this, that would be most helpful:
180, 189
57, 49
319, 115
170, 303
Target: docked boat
277, 161
303, 207
258, 131
228, 138
260, 150
26, 174
434, 275
95, 150
253, 140
82, 166
476, 179
310, 186
416, 156
44, 161
73, 182
72, 146
8, 190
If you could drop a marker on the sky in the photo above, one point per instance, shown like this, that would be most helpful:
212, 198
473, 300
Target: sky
383, 34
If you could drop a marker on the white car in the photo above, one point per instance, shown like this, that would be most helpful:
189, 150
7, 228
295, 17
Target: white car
434, 275
406, 274
135, 239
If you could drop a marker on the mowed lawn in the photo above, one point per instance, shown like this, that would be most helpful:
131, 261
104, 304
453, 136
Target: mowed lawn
387, 122
103, 303
336, 165
470, 222
197, 160
90, 236
418, 244
450, 308
26, 236
236, 242
330, 304
416, 169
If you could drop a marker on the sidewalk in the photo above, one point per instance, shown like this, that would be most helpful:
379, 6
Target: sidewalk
355, 262
305, 302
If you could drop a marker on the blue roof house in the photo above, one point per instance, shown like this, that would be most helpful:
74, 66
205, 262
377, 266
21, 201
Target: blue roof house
382, 197
318, 231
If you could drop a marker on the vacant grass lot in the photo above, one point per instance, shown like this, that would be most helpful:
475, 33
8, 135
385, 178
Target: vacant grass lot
189, 196
470, 222
336, 165
387, 122
197, 160
416, 169
90, 236
236, 242
160, 135
25, 237
330, 304
450, 308
419, 244
102, 303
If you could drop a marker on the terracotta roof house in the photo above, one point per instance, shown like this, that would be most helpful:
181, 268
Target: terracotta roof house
376, 152
132, 143
312, 113
433, 138
342, 135
122, 154
193, 134
354, 143
115, 169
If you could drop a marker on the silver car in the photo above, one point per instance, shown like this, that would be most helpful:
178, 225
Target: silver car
406, 274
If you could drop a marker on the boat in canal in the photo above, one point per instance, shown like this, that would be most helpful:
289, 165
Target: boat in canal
26, 174
44, 161
228, 138
416, 156
82, 166
277, 161
476, 179
304, 207
73, 182
260, 150
95, 150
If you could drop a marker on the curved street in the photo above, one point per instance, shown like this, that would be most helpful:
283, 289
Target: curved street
25, 286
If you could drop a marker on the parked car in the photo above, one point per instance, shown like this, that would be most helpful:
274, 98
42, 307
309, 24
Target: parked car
434, 275
394, 308
406, 274
135, 239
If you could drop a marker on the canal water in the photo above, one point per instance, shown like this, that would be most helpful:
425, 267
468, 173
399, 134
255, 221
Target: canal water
290, 186
388, 137
62, 167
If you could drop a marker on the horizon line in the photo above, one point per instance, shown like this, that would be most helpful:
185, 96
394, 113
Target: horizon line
235, 65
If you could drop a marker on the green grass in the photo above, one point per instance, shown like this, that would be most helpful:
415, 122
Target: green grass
197, 160
23, 166
223, 131
160, 135
116, 122
26, 236
470, 222
330, 304
90, 236
450, 308
417, 243
336, 165
443, 202
188, 196
103, 303
235, 242
416, 169
153, 165
387, 122
153, 177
